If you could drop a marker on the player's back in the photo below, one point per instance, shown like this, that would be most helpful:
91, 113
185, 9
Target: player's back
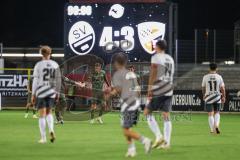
212, 83
165, 73
47, 79
127, 82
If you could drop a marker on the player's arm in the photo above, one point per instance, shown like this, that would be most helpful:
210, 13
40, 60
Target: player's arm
223, 91
68, 81
106, 80
152, 78
203, 92
71, 82
34, 83
115, 91
116, 88
203, 87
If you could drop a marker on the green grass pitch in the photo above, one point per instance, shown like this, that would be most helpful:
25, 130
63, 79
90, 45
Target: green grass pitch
82, 141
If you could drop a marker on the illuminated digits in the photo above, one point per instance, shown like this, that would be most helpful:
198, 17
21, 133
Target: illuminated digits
128, 43
106, 38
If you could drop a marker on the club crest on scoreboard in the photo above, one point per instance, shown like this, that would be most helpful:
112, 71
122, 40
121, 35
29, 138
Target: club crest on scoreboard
149, 33
81, 38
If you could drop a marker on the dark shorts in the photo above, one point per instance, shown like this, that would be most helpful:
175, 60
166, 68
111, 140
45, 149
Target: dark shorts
97, 98
29, 99
129, 118
45, 103
213, 107
163, 103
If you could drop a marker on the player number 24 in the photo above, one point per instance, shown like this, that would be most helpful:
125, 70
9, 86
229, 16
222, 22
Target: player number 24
48, 73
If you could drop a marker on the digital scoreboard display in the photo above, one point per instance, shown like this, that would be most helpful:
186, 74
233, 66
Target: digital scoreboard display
103, 29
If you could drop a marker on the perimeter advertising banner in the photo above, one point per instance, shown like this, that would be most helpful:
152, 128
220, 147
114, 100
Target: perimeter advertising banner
105, 28
13, 90
192, 100
13, 85
14, 93
187, 100
233, 101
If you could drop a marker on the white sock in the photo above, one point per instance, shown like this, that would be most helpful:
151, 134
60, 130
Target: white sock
50, 122
217, 119
131, 146
211, 123
152, 123
167, 131
42, 127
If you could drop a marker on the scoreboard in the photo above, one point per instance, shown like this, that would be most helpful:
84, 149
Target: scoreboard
103, 29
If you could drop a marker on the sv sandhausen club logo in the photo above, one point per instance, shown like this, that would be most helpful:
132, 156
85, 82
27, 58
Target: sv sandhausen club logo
81, 38
149, 33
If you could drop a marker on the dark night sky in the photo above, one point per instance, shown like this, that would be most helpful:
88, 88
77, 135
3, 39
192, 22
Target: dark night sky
27, 23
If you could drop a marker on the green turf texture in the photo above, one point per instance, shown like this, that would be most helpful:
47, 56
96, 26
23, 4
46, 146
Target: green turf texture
82, 141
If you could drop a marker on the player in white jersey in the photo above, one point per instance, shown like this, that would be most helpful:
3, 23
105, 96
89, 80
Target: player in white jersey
160, 91
45, 91
213, 89
125, 84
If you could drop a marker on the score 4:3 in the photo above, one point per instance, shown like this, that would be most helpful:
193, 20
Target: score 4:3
127, 44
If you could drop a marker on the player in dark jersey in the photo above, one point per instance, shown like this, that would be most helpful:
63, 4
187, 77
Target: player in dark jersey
29, 102
98, 78
61, 105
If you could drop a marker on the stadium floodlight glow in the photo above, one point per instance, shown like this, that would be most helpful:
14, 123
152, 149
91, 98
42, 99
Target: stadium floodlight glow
229, 62
39, 55
58, 55
33, 55
13, 55
205, 63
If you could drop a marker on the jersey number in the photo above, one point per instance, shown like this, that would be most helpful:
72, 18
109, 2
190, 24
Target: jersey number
212, 85
168, 69
48, 73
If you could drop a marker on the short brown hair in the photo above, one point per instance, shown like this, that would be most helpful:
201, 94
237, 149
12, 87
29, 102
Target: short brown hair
213, 66
120, 58
131, 66
98, 64
45, 50
162, 44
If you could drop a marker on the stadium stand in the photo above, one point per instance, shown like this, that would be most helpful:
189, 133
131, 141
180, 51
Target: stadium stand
191, 80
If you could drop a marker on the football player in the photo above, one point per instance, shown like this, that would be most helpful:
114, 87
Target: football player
214, 95
160, 91
125, 84
45, 91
